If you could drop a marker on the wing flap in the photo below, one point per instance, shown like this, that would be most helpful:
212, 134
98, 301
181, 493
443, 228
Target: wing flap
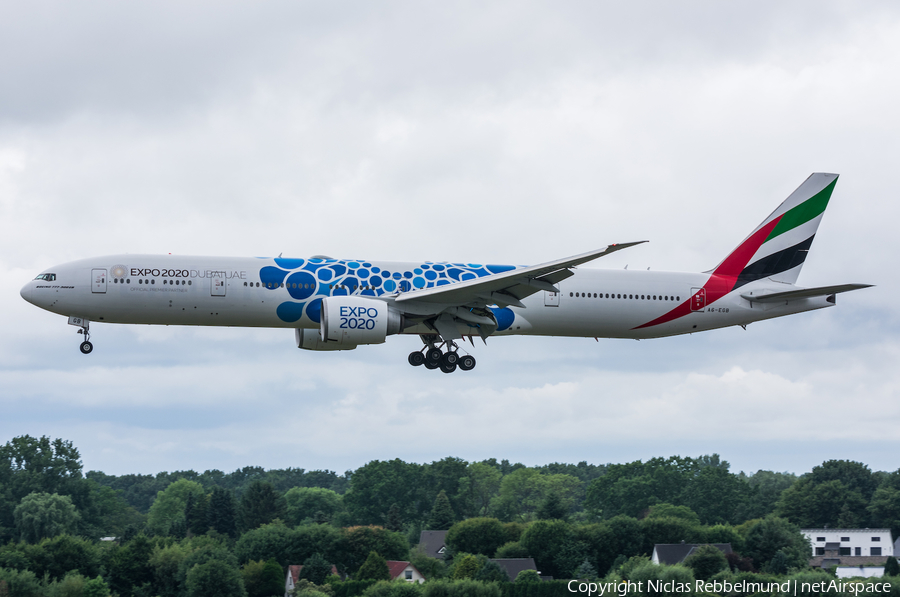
766, 296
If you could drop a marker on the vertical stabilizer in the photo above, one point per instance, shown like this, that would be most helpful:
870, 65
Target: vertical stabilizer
778, 246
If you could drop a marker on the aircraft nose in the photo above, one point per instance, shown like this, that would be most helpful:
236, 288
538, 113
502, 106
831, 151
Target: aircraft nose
26, 292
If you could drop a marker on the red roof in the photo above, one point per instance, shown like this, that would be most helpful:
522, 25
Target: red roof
396, 568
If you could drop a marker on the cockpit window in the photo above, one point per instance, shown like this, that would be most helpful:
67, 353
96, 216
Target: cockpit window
47, 277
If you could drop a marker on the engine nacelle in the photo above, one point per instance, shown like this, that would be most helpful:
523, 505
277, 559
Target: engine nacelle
310, 340
355, 320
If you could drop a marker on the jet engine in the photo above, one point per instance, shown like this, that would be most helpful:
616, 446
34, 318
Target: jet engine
348, 321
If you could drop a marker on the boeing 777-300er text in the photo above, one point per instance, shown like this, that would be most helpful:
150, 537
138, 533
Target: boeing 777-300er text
339, 304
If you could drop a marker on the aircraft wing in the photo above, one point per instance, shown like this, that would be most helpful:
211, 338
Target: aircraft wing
789, 295
510, 287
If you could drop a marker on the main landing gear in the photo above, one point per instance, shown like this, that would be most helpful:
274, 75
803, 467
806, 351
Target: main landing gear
434, 358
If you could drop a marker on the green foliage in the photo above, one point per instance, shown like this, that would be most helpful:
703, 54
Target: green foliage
466, 566
271, 579
442, 516
771, 535
95, 587
260, 504
20, 583
305, 503
586, 571
477, 488
460, 588
374, 568
476, 535
216, 578
660, 573
837, 494
250, 574
270, 541
304, 588
384, 588
169, 505
377, 485
319, 538
431, 568
523, 491
196, 513
492, 572
706, 561
552, 507
166, 562
316, 569
669, 511
41, 515
513, 549
57, 556
129, 566
545, 540
357, 542
891, 567
221, 515
528, 577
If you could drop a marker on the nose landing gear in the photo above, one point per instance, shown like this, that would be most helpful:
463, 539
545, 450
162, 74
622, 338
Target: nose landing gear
86, 347
434, 358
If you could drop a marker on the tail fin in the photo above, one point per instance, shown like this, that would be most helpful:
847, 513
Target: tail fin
778, 246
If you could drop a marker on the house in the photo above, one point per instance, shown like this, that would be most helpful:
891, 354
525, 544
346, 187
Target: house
851, 552
512, 566
850, 542
293, 575
675, 553
433, 543
404, 570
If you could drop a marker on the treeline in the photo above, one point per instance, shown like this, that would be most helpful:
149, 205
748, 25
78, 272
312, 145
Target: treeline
178, 534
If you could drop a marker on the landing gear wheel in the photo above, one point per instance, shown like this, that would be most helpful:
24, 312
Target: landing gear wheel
450, 358
416, 358
432, 364
86, 347
448, 368
434, 354
467, 362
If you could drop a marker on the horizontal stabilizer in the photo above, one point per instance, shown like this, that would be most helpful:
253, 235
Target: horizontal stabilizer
767, 296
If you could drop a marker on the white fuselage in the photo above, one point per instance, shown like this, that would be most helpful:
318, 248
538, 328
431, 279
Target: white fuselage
249, 292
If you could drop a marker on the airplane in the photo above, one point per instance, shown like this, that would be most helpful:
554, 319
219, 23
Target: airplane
340, 304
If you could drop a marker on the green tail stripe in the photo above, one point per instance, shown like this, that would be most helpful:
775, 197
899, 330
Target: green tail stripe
804, 212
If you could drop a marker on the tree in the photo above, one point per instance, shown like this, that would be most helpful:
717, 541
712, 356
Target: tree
215, 579
357, 542
476, 535
552, 507
528, 577
260, 504
706, 561
41, 515
492, 572
523, 491
467, 566
271, 579
478, 487
305, 503
129, 566
221, 515
56, 556
669, 511
544, 540
770, 535
891, 567
315, 569
442, 516
270, 541
377, 485
196, 515
393, 521
586, 571
22, 583
95, 587
374, 568
169, 505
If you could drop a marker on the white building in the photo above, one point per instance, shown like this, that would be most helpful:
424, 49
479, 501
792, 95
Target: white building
850, 542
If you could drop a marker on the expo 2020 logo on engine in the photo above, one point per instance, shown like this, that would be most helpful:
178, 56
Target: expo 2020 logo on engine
118, 271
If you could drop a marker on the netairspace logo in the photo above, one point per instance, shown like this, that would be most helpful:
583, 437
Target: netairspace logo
790, 587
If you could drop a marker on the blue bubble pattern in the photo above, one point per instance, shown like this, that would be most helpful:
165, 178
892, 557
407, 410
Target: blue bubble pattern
306, 279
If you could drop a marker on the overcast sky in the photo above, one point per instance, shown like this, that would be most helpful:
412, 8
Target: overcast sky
502, 132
